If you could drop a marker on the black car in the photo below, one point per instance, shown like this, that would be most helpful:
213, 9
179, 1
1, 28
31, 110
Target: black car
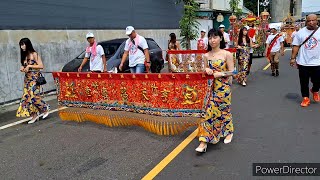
114, 50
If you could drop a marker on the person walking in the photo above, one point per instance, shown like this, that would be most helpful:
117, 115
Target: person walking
136, 48
252, 35
217, 122
173, 59
94, 52
306, 56
244, 44
31, 103
274, 47
226, 36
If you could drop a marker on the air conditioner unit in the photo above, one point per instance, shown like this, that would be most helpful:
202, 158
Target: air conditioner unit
202, 1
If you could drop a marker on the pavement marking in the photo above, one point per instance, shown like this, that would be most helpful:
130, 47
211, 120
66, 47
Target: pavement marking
268, 65
27, 119
159, 167
265, 68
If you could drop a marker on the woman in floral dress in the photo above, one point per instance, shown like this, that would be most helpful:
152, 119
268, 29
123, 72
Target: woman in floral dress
31, 103
244, 44
173, 59
217, 122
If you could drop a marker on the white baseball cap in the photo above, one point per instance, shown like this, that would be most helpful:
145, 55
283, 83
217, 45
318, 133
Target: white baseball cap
129, 30
271, 26
203, 30
247, 27
89, 35
221, 26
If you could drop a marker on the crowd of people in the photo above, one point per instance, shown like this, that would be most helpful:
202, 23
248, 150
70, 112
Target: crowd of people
217, 122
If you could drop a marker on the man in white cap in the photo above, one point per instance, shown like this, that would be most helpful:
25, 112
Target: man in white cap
225, 35
137, 49
95, 53
274, 46
202, 43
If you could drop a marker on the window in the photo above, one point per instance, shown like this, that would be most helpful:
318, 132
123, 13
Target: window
81, 56
110, 49
153, 45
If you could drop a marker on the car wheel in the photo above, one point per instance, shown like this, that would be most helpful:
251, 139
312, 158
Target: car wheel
155, 67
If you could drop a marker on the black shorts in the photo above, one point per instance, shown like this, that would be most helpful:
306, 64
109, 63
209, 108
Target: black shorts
250, 58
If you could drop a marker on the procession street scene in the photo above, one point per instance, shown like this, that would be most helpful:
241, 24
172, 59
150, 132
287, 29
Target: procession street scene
181, 89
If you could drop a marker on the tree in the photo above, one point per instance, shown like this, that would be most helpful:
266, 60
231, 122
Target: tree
234, 6
188, 24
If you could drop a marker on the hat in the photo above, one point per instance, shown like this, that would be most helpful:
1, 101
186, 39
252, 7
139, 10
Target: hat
221, 26
203, 30
272, 26
89, 35
129, 30
247, 27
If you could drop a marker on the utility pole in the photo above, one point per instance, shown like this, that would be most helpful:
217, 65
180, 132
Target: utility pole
258, 8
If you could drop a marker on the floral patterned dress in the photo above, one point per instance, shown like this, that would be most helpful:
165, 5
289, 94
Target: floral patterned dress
31, 102
244, 56
217, 122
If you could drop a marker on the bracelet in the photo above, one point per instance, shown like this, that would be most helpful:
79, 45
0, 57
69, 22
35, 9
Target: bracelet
293, 59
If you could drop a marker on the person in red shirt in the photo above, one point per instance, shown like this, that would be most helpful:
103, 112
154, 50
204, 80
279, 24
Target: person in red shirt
202, 43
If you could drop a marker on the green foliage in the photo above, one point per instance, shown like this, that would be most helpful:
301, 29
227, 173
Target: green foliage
188, 24
234, 7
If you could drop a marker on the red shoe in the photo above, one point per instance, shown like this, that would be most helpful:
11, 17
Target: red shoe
305, 102
316, 96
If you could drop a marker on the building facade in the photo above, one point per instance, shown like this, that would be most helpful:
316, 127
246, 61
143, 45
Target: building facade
57, 30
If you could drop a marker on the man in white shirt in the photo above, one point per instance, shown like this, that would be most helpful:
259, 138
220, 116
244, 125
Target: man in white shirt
95, 53
137, 49
202, 43
308, 59
225, 35
274, 46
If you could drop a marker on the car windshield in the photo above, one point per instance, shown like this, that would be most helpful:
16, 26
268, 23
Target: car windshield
109, 49
153, 45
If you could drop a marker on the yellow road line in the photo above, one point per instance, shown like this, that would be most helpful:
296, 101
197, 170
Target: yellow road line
265, 68
159, 167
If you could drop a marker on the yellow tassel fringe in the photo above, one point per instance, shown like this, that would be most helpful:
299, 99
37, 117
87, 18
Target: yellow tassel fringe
156, 124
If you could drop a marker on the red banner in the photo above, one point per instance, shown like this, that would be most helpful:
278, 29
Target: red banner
175, 95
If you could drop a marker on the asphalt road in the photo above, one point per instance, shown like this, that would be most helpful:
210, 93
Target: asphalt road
270, 126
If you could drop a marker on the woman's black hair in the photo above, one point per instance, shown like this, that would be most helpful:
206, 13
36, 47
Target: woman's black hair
173, 40
240, 39
29, 49
215, 32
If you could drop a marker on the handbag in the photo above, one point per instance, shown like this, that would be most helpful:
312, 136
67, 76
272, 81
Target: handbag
41, 80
